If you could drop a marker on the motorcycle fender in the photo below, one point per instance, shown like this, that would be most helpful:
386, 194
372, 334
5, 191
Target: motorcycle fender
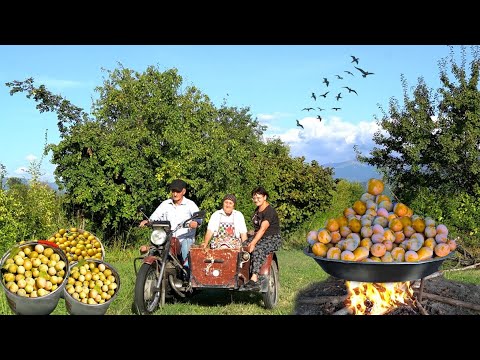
265, 269
149, 259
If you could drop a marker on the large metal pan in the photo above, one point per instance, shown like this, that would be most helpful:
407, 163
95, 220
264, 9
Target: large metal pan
378, 272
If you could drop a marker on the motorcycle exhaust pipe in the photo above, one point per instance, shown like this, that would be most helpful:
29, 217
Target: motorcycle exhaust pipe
174, 287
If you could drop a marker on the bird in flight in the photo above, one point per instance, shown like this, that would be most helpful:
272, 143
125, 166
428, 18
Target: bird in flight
320, 109
348, 72
339, 96
313, 96
336, 108
325, 95
308, 108
319, 117
354, 59
339, 77
298, 124
325, 81
364, 73
349, 90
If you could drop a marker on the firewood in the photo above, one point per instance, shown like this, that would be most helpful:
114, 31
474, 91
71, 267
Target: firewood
343, 311
434, 275
423, 311
450, 301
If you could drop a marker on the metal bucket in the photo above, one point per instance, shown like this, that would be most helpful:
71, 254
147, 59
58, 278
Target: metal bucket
75, 307
42, 305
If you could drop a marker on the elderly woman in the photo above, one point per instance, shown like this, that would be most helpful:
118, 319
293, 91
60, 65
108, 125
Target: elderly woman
226, 226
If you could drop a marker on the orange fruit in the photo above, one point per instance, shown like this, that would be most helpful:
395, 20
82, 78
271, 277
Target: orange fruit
359, 207
319, 249
400, 209
375, 186
332, 225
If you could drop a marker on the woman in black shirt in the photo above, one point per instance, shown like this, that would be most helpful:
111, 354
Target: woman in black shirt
266, 238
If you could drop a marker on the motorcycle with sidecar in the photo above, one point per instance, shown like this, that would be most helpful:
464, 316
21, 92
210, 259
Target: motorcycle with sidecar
161, 275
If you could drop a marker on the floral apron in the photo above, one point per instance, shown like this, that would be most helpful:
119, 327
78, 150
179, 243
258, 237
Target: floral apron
225, 236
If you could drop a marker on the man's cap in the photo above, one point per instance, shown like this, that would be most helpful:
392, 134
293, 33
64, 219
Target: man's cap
230, 197
178, 185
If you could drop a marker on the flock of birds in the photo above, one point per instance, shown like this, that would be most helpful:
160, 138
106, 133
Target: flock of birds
339, 96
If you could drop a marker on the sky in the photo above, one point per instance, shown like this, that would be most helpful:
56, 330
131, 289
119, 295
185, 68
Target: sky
274, 81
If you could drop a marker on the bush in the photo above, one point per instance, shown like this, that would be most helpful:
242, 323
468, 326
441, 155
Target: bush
344, 195
29, 212
460, 212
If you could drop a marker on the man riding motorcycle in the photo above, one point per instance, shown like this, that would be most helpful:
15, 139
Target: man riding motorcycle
176, 209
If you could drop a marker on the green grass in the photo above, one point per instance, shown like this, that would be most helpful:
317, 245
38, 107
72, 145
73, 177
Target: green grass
466, 276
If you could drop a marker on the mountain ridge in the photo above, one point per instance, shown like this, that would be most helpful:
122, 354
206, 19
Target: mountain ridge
350, 170
353, 170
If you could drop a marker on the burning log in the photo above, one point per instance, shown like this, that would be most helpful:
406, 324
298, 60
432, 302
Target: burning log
376, 298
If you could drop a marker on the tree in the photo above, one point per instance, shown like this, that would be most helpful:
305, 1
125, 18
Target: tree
432, 142
145, 131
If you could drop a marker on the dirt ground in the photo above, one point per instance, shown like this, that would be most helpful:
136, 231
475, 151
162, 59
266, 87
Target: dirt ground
307, 301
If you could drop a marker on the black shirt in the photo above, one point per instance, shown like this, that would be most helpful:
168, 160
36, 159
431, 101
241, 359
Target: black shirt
269, 214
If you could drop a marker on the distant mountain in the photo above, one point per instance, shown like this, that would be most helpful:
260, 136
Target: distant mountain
53, 185
353, 171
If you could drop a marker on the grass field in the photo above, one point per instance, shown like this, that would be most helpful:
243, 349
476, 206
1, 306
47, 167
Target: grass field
296, 270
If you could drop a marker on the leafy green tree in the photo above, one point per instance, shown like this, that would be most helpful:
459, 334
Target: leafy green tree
429, 148
298, 189
432, 141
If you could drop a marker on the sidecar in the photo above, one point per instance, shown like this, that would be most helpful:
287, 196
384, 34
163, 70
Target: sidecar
225, 268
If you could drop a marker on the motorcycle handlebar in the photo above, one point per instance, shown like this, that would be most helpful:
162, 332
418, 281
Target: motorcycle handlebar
199, 215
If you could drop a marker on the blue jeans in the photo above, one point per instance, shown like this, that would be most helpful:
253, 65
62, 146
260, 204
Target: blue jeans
186, 243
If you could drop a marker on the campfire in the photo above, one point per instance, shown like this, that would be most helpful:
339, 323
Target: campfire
433, 295
364, 298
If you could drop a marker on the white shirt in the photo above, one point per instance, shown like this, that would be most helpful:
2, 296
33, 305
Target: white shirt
236, 217
176, 214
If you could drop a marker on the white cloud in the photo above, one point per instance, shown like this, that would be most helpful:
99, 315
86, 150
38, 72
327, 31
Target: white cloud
330, 140
31, 157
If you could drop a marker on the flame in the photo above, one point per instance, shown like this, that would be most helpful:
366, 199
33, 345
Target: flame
376, 298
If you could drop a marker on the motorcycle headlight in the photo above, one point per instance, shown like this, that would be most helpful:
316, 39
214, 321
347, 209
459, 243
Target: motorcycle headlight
158, 236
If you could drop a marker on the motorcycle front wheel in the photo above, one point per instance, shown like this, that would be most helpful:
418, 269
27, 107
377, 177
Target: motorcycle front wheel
147, 299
